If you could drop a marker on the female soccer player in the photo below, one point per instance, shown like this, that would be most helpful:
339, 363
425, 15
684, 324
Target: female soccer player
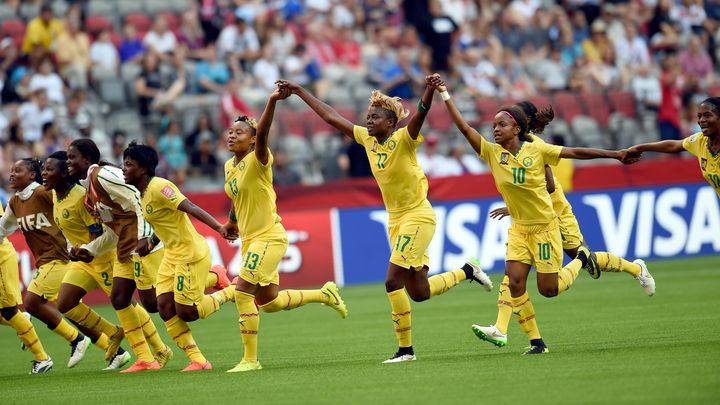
248, 184
30, 209
183, 272
10, 298
704, 144
79, 227
404, 188
117, 205
534, 239
572, 239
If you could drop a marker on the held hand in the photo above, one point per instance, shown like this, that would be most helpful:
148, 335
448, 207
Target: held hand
229, 231
629, 156
499, 213
436, 82
80, 255
281, 93
287, 84
144, 247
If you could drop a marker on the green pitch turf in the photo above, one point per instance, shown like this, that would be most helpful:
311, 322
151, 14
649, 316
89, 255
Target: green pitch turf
609, 343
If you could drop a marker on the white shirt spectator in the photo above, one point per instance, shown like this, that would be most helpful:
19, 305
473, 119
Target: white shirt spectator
468, 164
480, 78
162, 43
294, 68
647, 90
525, 8
52, 83
631, 52
32, 118
433, 165
104, 54
231, 41
266, 72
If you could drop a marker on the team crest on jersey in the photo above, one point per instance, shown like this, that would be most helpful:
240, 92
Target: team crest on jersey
527, 162
168, 192
149, 209
241, 166
374, 147
504, 158
703, 164
391, 144
65, 213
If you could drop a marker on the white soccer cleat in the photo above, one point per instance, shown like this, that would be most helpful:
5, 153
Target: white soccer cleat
399, 358
479, 275
118, 361
77, 351
645, 278
41, 366
490, 334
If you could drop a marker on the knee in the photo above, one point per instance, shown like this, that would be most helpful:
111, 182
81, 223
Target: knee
548, 291
393, 285
418, 296
166, 309
149, 303
517, 286
32, 303
64, 305
187, 314
119, 301
8, 313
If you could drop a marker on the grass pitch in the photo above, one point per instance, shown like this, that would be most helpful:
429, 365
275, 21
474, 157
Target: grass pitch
608, 343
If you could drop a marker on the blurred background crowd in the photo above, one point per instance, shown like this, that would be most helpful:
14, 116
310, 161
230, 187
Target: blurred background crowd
176, 73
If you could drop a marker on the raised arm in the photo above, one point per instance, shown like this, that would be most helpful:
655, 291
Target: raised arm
592, 153
671, 146
263, 126
468, 132
325, 112
201, 215
417, 119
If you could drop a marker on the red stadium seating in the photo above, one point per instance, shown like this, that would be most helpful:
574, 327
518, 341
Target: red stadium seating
172, 19
486, 109
596, 107
439, 119
623, 103
567, 106
96, 23
293, 123
141, 22
12, 27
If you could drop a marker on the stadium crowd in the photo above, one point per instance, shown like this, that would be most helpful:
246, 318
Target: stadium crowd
176, 73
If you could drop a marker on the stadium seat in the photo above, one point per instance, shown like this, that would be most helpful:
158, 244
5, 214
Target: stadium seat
623, 103
154, 7
141, 22
540, 101
102, 8
567, 106
96, 23
28, 10
12, 27
172, 19
317, 125
180, 6
486, 109
7, 12
597, 107
127, 7
59, 7
112, 91
439, 119
588, 133
292, 123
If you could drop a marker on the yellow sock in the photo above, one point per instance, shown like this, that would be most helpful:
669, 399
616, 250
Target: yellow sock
611, 263
207, 306
212, 279
26, 332
66, 331
102, 342
504, 306
568, 274
224, 295
249, 324
85, 316
4, 322
179, 331
440, 283
291, 299
525, 313
401, 316
152, 337
133, 332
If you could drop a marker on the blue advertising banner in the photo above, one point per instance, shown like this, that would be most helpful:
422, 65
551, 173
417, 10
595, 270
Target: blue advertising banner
652, 223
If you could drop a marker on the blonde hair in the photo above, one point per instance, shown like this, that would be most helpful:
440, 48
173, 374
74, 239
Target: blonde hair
394, 104
250, 121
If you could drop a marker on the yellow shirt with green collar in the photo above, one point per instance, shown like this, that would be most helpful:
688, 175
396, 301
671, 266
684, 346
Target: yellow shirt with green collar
698, 145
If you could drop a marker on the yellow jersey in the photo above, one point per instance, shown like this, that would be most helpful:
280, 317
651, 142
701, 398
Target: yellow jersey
6, 248
183, 243
74, 220
394, 165
249, 184
520, 178
698, 145
559, 201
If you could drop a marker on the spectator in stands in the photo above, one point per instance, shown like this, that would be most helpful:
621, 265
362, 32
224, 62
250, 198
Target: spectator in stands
691, 15
41, 35
631, 49
149, 85
191, 35
430, 160
204, 127
86, 129
161, 39
202, 160
595, 46
353, 160
131, 47
283, 173
646, 89
403, 76
212, 74
438, 35
231, 105
47, 79
119, 143
551, 74
479, 74
172, 148
281, 37
265, 71
9, 63
347, 50
103, 53
570, 50
671, 83
17, 147
460, 162
696, 65
240, 41
49, 142
296, 67
73, 54
34, 113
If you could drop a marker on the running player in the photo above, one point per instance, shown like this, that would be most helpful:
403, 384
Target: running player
183, 272
79, 227
249, 185
30, 209
404, 188
572, 239
704, 144
534, 238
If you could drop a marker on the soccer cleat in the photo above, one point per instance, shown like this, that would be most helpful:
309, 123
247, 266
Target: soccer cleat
490, 334
41, 366
118, 361
645, 278
479, 275
142, 366
195, 366
114, 342
222, 275
334, 299
590, 260
536, 350
164, 356
29, 318
246, 366
400, 357
77, 351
